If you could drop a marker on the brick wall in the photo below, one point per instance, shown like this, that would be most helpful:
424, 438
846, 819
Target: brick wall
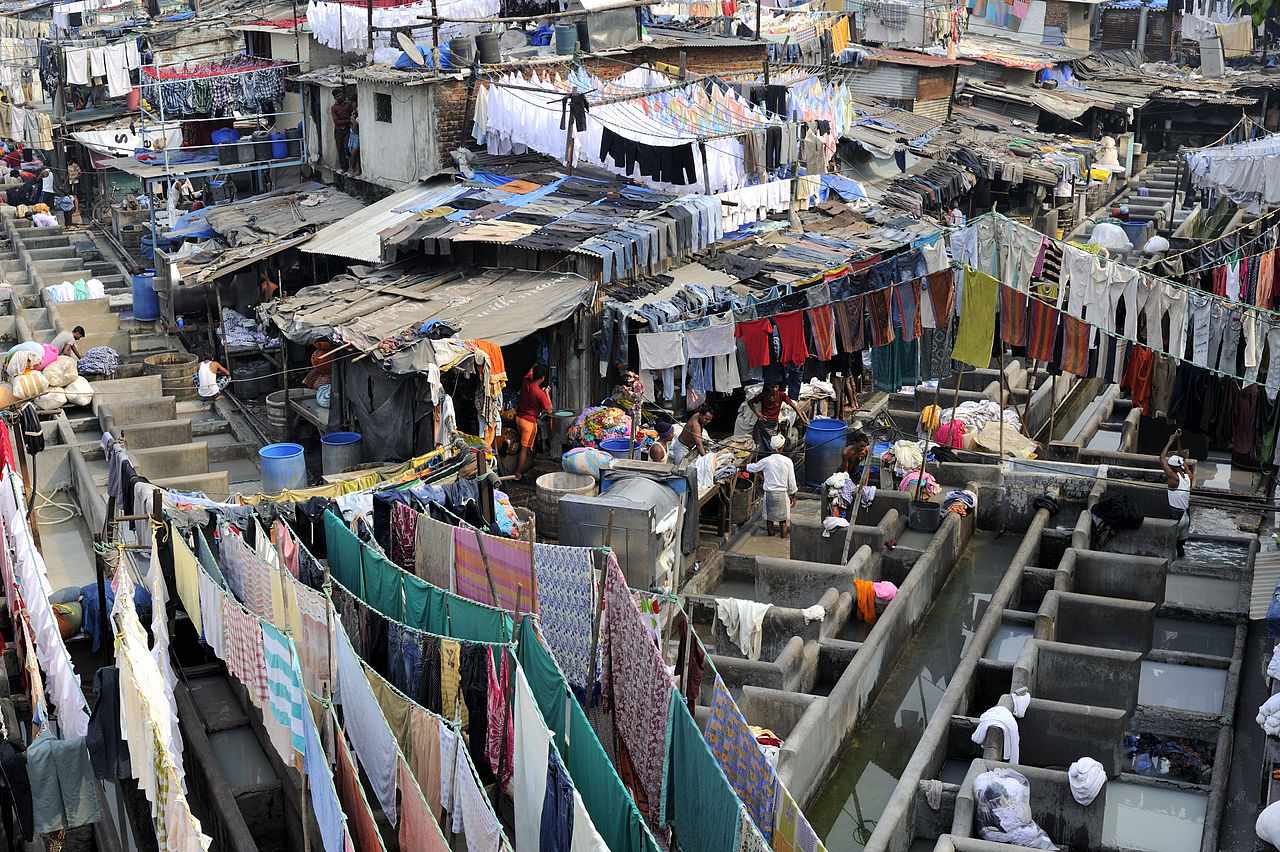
453, 111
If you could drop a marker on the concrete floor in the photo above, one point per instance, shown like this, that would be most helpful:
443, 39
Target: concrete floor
870, 764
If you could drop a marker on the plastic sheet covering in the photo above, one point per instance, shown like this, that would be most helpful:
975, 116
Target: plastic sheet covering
1004, 810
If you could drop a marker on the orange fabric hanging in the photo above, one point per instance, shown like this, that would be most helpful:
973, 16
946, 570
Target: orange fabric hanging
865, 592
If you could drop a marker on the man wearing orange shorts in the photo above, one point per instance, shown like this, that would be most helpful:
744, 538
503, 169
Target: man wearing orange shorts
532, 404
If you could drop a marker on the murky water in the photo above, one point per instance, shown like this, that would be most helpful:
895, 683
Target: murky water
954, 771
871, 762
1196, 637
1202, 592
240, 757
1161, 820
1007, 644
1182, 687
1209, 552
1105, 439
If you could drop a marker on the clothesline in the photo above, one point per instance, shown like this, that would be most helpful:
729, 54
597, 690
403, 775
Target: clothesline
161, 76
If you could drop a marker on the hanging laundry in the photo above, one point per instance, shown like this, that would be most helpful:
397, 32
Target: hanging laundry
375, 746
1013, 317
740, 756
566, 595
977, 319
1075, 346
481, 559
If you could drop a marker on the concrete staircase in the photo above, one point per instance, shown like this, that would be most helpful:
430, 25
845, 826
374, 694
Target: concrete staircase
1150, 193
187, 445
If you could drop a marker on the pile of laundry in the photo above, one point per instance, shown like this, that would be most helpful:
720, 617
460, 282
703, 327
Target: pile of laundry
1003, 799
99, 361
36, 372
961, 501
1269, 716
840, 489
903, 456
76, 291
599, 423
240, 332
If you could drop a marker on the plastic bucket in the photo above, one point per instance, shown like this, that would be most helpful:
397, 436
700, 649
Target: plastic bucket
566, 38
279, 147
824, 442
147, 249
619, 448
489, 48
340, 451
283, 467
146, 305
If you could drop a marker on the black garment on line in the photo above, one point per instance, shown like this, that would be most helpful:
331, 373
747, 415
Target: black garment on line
474, 683
428, 691
108, 752
667, 164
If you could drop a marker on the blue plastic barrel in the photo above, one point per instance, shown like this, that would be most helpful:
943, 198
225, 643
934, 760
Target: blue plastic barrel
619, 448
340, 451
824, 442
279, 145
146, 247
146, 305
283, 467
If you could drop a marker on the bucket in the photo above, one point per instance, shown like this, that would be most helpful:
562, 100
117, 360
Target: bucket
262, 146
824, 444
924, 516
340, 451
176, 370
619, 448
566, 39
278, 411
147, 250
551, 487
279, 147
283, 467
146, 305
461, 51
489, 49
293, 143
584, 36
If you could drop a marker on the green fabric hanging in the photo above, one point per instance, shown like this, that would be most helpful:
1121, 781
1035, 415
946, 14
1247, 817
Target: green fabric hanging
896, 365
344, 554
605, 797
382, 584
977, 320
701, 806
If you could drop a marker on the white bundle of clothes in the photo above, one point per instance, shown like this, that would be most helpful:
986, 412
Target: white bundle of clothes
1269, 716
1087, 777
978, 413
999, 717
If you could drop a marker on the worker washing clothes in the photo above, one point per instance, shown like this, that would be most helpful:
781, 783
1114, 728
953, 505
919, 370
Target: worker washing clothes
856, 451
779, 486
1180, 476
65, 341
533, 403
690, 438
768, 410
211, 377
663, 449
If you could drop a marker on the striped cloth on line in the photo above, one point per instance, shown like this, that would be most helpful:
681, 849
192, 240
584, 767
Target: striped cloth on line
284, 684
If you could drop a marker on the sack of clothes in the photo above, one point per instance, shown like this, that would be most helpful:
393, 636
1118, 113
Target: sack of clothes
1004, 810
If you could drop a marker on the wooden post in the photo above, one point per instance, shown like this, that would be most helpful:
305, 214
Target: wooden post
1003, 391
684, 65
435, 33
857, 504
568, 148
370, 7
488, 574
766, 60
595, 621
759, 3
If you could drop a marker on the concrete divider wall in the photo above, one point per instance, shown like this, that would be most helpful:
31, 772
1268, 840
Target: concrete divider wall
895, 830
1078, 674
809, 751
1114, 575
1104, 622
1057, 733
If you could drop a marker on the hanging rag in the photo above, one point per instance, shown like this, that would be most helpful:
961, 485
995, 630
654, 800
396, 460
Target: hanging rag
1021, 701
1001, 718
865, 593
1087, 777
744, 623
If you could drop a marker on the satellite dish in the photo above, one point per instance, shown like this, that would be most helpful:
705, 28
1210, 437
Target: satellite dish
411, 50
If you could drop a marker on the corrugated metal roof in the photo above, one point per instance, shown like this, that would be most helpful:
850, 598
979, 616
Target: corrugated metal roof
1266, 574
357, 236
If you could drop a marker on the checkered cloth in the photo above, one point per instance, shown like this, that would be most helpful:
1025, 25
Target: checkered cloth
242, 649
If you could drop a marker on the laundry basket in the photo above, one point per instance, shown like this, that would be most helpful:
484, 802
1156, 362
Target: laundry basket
551, 487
